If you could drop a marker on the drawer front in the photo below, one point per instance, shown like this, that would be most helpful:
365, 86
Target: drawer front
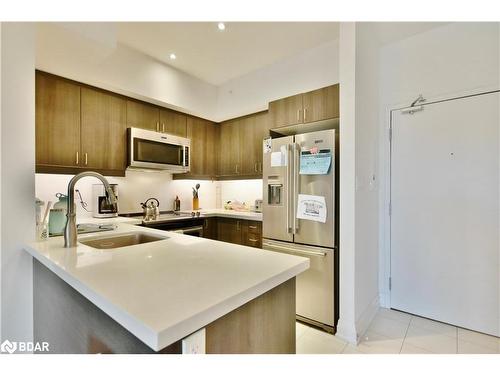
255, 227
254, 240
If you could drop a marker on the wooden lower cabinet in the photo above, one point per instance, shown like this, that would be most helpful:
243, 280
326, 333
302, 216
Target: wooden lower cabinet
229, 230
237, 231
210, 228
252, 234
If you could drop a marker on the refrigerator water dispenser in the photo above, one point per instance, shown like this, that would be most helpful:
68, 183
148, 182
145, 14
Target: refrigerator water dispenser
274, 193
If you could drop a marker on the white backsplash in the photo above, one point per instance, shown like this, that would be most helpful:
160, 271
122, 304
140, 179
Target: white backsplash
242, 190
137, 186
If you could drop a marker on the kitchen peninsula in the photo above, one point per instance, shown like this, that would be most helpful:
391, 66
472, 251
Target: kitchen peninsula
146, 298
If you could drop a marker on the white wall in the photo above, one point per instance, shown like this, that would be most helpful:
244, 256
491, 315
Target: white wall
347, 74
72, 52
0, 180
312, 69
17, 173
448, 61
366, 221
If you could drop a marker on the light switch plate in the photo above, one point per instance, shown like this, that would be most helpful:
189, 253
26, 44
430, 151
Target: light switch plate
194, 343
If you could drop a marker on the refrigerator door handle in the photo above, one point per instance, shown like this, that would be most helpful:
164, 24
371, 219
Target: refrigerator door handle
289, 190
296, 167
295, 251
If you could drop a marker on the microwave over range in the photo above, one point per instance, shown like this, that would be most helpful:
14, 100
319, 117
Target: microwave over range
152, 150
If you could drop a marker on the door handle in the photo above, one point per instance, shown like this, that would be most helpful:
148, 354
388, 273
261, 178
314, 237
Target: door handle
296, 161
163, 127
298, 115
305, 113
77, 159
255, 168
158, 127
236, 168
295, 251
86, 158
289, 189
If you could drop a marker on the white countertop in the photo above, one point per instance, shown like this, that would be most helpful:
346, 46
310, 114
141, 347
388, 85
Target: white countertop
221, 212
165, 290
213, 212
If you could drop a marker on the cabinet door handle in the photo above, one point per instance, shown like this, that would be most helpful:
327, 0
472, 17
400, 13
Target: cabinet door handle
238, 225
252, 227
305, 114
158, 127
163, 127
77, 158
298, 115
86, 158
236, 168
255, 167
253, 240
260, 167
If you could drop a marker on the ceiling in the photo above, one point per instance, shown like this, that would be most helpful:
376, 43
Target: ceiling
215, 56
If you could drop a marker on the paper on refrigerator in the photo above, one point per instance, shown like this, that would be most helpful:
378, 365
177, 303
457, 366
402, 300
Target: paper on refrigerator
311, 207
279, 158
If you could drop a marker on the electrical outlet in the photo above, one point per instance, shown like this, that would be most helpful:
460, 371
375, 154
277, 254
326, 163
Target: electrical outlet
194, 343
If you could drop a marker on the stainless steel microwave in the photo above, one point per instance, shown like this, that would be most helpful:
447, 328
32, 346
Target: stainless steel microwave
152, 150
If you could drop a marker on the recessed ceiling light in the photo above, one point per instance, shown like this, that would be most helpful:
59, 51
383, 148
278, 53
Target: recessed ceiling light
172, 56
221, 26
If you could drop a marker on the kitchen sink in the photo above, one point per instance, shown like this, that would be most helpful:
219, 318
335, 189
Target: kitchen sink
122, 240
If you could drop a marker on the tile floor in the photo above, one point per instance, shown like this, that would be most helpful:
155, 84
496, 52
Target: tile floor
394, 332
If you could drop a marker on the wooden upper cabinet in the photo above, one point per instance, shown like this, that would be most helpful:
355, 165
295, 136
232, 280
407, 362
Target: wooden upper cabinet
248, 136
103, 130
321, 104
317, 105
229, 148
262, 126
253, 130
286, 111
172, 122
143, 115
57, 121
211, 145
203, 147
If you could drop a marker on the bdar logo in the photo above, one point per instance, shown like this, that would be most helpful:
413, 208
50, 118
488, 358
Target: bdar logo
8, 347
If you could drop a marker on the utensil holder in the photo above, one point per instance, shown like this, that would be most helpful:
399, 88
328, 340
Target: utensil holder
196, 204
42, 231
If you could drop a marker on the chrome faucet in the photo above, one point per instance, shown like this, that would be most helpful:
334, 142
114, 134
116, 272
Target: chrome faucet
70, 231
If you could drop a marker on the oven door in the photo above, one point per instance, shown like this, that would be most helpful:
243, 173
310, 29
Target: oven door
154, 150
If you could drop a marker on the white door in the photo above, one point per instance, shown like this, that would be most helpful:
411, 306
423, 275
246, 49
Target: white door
445, 212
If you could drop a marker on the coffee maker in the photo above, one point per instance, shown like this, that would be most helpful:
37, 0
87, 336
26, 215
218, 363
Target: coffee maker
102, 208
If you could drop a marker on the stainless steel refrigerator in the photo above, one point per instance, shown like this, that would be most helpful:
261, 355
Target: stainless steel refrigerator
300, 216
